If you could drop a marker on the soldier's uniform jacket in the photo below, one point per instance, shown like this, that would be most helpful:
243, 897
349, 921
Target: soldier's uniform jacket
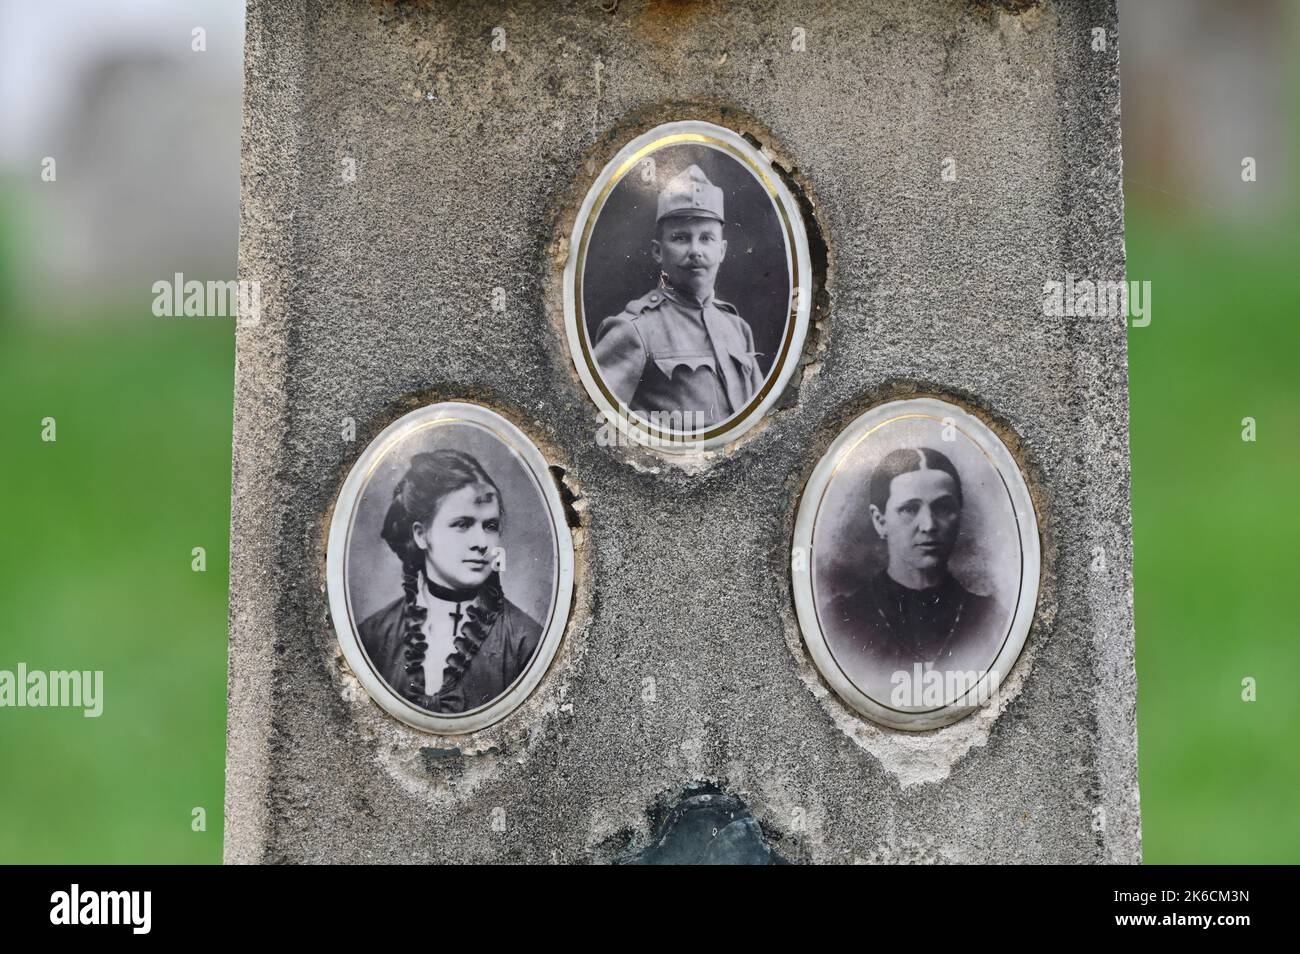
669, 352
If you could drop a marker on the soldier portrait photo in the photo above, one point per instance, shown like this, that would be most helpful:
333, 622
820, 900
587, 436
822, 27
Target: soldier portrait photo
687, 288
451, 568
916, 559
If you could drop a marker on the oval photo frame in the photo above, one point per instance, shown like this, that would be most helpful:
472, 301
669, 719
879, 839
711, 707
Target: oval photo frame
503, 565
670, 364
916, 564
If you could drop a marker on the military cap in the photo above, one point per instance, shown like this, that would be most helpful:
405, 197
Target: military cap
690, 193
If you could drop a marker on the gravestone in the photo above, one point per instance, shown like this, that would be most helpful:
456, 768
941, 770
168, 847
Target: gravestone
411, 174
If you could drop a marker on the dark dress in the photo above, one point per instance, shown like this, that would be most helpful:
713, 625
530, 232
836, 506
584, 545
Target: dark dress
510, 639
892, 625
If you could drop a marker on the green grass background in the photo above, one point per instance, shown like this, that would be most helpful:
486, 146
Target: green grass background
1216, 522
95, 573
95, 567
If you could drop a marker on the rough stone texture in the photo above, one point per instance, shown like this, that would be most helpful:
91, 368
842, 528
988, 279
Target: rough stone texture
377, 294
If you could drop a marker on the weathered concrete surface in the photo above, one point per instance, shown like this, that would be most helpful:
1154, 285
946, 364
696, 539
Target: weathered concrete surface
377, 293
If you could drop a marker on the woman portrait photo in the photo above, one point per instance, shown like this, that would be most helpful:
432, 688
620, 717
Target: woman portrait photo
451, 641
913, 610
923, 559
454, 568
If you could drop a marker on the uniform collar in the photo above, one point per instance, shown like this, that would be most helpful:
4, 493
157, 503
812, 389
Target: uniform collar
686, 299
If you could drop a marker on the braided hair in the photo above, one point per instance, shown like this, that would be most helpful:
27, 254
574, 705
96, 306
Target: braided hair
430, 477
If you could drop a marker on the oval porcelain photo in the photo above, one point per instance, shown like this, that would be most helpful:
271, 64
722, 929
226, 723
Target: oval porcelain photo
450, 568
687, 290
916, 563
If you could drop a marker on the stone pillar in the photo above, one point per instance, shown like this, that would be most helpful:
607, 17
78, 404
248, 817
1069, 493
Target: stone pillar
953, 157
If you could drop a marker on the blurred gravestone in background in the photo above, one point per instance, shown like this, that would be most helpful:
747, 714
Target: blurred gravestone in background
1207, 84
139, 124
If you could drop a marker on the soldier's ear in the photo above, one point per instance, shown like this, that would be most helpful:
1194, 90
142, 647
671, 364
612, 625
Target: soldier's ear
657, 251
723, 246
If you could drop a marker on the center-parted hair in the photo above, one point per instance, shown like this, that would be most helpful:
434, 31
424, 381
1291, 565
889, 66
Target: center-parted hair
429, 478
906, 460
